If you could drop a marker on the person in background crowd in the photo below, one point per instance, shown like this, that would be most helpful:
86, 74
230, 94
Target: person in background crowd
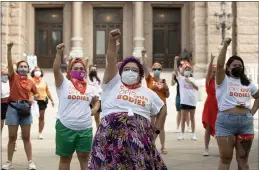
5, 92
43, 90
18, 111
125, 138
234, 124
188, 90
210, 110
159, 86
178, 101
95, 81
74, 122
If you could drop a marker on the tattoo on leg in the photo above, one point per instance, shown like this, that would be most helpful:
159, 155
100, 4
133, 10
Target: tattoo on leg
246, 144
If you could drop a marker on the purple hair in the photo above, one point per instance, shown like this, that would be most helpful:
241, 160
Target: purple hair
132, 59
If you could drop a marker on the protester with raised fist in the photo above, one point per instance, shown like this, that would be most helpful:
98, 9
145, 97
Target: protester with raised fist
210, 110
18, 111
188, 90
74, 118
160, 87
125, 139
44, 94
234, 124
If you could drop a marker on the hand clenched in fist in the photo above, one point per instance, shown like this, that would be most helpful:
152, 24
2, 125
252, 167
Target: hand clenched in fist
60, 48
115, 34
10, 45
227, 41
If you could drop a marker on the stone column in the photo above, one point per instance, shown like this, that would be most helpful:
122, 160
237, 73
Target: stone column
77, 27
139, 29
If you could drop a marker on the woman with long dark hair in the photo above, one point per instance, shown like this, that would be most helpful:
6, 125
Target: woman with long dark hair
95, 81
210, 110
18, 111
160, 87
125, 139
74, 121
234, 124
44, 94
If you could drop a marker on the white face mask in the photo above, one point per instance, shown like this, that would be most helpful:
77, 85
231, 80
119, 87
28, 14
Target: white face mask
129, 77
37, 73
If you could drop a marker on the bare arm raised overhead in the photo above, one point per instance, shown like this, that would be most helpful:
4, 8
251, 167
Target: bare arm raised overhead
9, 59
56, 65
146, 71
209, 73
176, 59
220, 74
111, 57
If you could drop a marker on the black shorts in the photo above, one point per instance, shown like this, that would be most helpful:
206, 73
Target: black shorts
43, 104
4, 107
187, 107
100, 108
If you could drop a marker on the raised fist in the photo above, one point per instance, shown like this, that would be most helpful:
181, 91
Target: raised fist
227, 41
212, 57
10, 45
143, 52
115, 34
60, 48
177, 58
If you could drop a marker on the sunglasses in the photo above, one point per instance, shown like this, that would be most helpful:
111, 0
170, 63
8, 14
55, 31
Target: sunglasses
156, 69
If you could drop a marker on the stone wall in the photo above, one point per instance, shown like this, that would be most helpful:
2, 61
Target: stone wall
13, 29
247, 31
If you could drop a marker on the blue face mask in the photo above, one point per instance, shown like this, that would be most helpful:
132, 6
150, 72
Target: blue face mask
156, 73
4, 78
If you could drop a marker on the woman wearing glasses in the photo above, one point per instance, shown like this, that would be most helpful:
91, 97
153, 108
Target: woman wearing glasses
160, 87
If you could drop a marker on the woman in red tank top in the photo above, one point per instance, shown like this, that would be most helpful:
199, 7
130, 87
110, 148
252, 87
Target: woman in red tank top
210, 107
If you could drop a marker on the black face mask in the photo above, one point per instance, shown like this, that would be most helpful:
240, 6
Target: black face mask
93, 73
237, 71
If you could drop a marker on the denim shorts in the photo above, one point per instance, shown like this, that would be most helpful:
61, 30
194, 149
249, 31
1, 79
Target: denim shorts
12, 117
234, 124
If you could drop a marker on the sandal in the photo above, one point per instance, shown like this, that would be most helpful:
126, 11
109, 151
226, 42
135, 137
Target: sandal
163, 151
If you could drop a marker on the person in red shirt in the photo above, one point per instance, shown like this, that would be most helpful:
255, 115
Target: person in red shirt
18, 111
210, 110
159, 86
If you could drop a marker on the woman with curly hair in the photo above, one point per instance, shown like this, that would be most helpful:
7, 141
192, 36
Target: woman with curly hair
125, 138
42, 87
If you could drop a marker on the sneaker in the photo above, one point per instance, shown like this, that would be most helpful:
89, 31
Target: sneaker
181, 137
206, 152
32, 165
40, 136
177, 130
15, 147
194, 137
7, 165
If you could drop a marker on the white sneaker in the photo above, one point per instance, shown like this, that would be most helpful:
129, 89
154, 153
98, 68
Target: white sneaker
32, 165
194, 137
7, 165
181, 137
206, 152
40, 136
177, 130
15, 147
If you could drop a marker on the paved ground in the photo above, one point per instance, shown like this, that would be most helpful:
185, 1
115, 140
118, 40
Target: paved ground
182, 155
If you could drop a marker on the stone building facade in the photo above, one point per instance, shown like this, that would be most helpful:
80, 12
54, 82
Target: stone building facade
36, 27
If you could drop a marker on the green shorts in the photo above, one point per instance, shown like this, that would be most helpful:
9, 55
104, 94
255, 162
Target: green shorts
67, 140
